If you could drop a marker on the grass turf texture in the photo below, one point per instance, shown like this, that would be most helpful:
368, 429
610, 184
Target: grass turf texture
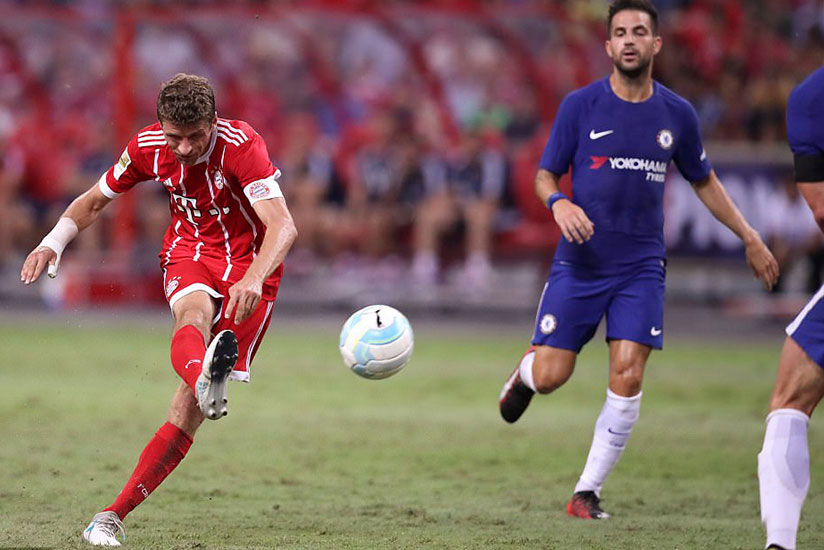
313, 457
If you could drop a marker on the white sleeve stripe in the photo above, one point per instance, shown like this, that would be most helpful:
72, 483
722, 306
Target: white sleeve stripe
229, 128
105, 189
231, 139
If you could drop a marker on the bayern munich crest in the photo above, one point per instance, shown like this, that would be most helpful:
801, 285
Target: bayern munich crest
259, 190
548, 324
219, 181
664, 139
172, 285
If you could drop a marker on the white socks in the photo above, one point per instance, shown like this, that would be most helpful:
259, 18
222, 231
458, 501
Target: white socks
784, 475
612, 430
526, 370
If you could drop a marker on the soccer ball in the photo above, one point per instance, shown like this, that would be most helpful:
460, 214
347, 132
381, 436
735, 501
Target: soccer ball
376, 342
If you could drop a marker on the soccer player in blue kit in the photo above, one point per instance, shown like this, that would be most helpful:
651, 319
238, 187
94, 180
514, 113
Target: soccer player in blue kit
619, 134
784, 460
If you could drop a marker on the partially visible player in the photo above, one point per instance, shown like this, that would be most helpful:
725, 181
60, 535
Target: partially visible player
619, 135
784, 460
222, 260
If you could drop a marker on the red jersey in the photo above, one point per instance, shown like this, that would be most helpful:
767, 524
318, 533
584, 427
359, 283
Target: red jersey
211, 202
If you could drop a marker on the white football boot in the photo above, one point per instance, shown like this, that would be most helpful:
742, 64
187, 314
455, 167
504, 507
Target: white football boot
103, 530
218, 363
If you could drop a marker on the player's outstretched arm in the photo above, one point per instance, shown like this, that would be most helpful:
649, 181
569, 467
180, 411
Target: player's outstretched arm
571, 218
80, 214
245, 294
759, 258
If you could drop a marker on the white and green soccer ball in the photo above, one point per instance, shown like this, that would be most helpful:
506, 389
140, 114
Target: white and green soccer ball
376, 342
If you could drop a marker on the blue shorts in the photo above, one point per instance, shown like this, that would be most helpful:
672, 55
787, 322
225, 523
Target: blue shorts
574, 301
807, 329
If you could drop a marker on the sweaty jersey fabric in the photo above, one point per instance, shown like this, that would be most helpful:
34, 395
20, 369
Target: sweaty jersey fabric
619, 153
210, 202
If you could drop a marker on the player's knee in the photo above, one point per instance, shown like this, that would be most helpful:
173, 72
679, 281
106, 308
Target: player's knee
199, 319
626, 378
550, 377
793, 397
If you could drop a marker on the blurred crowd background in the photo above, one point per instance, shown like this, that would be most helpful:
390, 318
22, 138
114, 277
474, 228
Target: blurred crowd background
408, 133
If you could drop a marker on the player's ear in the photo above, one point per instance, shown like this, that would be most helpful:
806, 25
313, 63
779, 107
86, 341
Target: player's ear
608, 47
656, 45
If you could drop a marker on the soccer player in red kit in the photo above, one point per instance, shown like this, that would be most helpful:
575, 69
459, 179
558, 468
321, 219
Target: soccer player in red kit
222, 260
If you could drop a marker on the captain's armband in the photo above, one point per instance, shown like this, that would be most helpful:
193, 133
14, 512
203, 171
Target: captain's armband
266, 188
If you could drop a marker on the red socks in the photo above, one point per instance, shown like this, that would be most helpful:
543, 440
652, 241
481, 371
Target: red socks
163, 453
188, 349
170, 444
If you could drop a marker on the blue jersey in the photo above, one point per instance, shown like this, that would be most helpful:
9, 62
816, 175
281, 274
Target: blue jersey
805, 118
620, 153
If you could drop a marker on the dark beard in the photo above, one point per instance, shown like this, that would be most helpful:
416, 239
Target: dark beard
633, 74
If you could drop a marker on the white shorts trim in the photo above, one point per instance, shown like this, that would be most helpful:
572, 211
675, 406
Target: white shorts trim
194, 288
792, 327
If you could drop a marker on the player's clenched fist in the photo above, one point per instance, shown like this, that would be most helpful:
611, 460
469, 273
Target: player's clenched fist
36, 261
574, 223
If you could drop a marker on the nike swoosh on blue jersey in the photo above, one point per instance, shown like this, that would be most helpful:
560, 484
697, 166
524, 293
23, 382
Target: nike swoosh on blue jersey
598, 135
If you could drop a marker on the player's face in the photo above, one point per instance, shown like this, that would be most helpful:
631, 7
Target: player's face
632, 44
188, 142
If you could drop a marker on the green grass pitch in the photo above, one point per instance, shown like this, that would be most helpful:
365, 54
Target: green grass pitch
313, 457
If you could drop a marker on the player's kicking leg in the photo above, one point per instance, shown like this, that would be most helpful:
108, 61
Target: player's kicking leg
218, 363
205, 370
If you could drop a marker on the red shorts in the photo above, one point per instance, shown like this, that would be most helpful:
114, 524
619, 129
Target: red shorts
182, 278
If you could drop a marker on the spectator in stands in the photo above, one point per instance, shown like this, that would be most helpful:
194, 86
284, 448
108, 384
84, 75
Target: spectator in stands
310, 189
16, 221
476, 178
372, 190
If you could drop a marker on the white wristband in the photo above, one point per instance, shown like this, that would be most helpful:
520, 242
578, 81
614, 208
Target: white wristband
58, 238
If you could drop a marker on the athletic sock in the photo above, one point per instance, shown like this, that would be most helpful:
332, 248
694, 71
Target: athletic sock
612, 430
784, 475
163, 453
525, 369
188, 349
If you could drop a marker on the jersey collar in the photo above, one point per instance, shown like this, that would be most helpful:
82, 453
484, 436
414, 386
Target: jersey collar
208, 152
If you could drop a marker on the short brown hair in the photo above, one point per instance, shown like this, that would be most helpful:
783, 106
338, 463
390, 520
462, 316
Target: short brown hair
186, 99
640, 5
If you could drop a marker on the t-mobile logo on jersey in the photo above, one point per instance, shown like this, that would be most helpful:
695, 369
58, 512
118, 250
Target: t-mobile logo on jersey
188, 205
